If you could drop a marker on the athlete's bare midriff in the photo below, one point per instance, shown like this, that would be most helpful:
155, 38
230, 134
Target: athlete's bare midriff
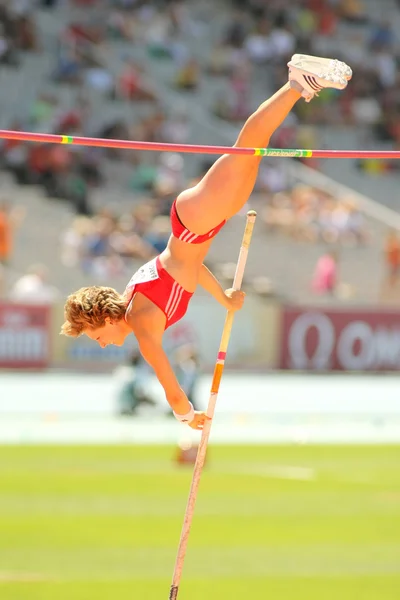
183, 261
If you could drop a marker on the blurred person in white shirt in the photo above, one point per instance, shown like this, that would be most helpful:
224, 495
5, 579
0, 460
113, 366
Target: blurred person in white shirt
33, 288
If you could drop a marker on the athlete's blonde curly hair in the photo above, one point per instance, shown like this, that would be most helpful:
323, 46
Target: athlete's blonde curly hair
89, 307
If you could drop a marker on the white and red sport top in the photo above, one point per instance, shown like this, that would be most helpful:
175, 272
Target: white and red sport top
154, 282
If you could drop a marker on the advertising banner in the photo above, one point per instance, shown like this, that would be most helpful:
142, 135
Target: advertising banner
343, 340
24, 336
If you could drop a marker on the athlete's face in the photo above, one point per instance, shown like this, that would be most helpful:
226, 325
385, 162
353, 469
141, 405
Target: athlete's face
113, 332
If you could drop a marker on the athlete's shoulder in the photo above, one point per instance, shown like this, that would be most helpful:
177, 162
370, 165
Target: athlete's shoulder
143, 316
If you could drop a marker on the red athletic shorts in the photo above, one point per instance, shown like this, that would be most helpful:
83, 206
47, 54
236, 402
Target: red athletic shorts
179, 230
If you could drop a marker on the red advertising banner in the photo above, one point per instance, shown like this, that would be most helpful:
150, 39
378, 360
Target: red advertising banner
344, 340
24, 336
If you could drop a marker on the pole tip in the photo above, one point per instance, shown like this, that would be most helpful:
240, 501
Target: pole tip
251, 213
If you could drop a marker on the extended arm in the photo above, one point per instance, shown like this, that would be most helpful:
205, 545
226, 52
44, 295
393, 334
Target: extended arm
211, 284
153, 352
230, 299
148, 326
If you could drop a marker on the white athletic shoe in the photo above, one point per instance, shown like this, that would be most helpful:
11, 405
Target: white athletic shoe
332, 63
314, 74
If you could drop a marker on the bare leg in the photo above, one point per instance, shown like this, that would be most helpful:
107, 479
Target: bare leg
226, 187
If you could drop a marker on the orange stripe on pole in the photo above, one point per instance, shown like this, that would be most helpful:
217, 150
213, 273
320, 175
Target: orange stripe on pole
218, 370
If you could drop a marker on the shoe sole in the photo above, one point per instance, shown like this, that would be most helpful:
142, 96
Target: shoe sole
318, 75
341, 66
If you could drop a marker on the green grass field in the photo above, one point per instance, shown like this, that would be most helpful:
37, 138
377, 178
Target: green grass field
298, 522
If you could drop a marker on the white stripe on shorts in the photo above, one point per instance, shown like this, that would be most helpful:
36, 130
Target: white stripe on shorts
187, 236
176, 304
172, 296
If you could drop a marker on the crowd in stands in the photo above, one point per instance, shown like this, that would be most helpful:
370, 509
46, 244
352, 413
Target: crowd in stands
309, 214
71, 173
265, 34
105, 244
257, 35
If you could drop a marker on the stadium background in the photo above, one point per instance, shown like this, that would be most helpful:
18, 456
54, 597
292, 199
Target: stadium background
300, 494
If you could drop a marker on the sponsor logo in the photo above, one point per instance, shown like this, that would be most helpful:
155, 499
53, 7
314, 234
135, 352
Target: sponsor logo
283, 152
344, 341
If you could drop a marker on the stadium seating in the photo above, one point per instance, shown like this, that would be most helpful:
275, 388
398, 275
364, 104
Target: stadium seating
39, 236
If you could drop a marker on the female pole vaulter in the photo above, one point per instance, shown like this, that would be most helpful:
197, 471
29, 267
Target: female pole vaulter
158, 294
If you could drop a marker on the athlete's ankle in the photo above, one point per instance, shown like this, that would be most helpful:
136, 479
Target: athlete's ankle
295, 85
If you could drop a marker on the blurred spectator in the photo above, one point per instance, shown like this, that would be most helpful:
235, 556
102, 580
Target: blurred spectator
392, 258
221, 61
18, 31
27, 38
187, 369
75, 188
49, 3
131, 84
328, 19
8, 54
78, 58
73, 241
33, 287
353, 11
119, 25
325, 274
272, 177
133, 385
169, 176
69, 67
236, 31
158, 37
43, 111
187, 75
241, 85
282, 38
5, 234
235, 106
382, 36
158, 233
134, 379
175, 128
258, 42
100, 79
9, 220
